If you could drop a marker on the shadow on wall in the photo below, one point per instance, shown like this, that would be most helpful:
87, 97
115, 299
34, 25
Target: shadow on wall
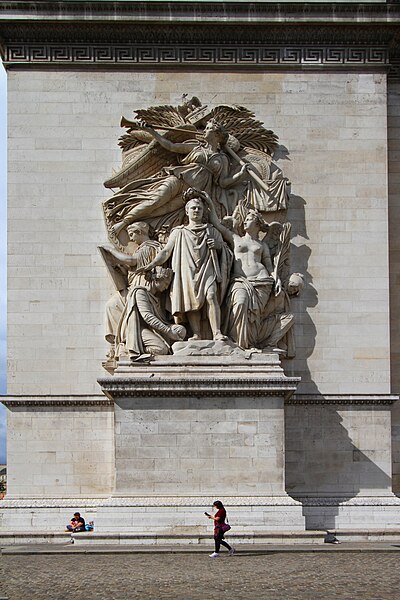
396, 446
324, 467
393, 124
304, 328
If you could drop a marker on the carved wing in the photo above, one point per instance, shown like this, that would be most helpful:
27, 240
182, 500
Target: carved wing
141, 163
142, 156
146, 160
240, 123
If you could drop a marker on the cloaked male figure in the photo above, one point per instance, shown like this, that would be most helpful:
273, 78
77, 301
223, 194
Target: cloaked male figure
200, 261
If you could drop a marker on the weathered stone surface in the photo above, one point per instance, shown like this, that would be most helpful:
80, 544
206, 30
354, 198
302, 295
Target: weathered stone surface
60, 451
335, 139
201, 348
345, 212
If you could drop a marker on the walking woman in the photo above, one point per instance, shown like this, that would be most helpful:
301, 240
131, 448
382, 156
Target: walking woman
219, 529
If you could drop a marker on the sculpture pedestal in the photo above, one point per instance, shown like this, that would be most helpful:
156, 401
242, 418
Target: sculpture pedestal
203, 424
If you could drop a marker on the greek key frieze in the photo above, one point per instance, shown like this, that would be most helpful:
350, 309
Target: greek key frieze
197, 54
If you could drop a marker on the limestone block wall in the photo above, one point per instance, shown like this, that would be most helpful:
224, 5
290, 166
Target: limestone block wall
63, 129
394, 250
338, 450
60, 451
339, 173
199, 446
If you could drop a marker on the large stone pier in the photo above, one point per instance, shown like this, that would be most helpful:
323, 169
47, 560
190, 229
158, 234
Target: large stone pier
203, 295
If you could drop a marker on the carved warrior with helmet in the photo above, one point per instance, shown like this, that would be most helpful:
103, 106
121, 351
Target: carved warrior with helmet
223, 157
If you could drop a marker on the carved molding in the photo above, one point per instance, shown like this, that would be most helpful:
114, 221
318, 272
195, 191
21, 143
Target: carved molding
13, 401
351, 399
120, 387
391, 500
117, 387
203, 11
82, 503
147, 501
202, 501
221, 55
240, 34
195, 501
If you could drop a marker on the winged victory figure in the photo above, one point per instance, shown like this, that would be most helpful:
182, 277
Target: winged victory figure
222, 157
224, 152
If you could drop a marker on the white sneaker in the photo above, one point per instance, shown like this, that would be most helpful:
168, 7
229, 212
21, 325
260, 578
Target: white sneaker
231, 551
214, 555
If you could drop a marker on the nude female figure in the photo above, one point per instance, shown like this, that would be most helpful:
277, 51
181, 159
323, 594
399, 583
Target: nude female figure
251, 281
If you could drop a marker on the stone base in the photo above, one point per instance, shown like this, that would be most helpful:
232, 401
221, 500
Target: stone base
356, 513
178, 520
148, 520
207, 421
201, 541
154, 516
20, 516
184, 516
21, 538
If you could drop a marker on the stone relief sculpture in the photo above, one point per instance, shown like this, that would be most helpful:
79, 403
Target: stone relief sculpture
204, 166
122, 270
275, 329
143, 330
201, 266
135, 323
224, 151
196, 193
251, 278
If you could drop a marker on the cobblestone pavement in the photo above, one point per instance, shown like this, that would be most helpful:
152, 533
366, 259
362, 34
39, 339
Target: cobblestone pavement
245, 576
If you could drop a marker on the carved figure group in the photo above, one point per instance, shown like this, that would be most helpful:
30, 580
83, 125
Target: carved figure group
195, 187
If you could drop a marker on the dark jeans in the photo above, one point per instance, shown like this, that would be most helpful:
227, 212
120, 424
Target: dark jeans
218, 541
69, 527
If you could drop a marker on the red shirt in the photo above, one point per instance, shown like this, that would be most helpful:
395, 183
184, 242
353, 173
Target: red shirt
221, 513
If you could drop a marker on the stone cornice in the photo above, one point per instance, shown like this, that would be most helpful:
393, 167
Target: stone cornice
123, 387
145, 501
188, 34
47, 400
353, 399
194, 501
389, 500
242, 12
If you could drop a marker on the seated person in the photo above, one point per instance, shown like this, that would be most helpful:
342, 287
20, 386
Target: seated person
77, 523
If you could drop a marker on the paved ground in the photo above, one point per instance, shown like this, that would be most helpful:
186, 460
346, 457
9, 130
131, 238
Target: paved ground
249, 575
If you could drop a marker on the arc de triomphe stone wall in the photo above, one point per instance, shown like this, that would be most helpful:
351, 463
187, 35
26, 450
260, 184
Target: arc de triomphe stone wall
288, 443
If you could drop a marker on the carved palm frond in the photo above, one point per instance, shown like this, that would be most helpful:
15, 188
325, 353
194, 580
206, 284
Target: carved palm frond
240, 122
160, 116
133, 138
281, 259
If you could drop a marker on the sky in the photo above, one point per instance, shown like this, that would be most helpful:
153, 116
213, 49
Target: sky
3, 260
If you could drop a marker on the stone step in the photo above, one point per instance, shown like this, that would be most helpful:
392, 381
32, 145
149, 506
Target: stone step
186, 542
33, 537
